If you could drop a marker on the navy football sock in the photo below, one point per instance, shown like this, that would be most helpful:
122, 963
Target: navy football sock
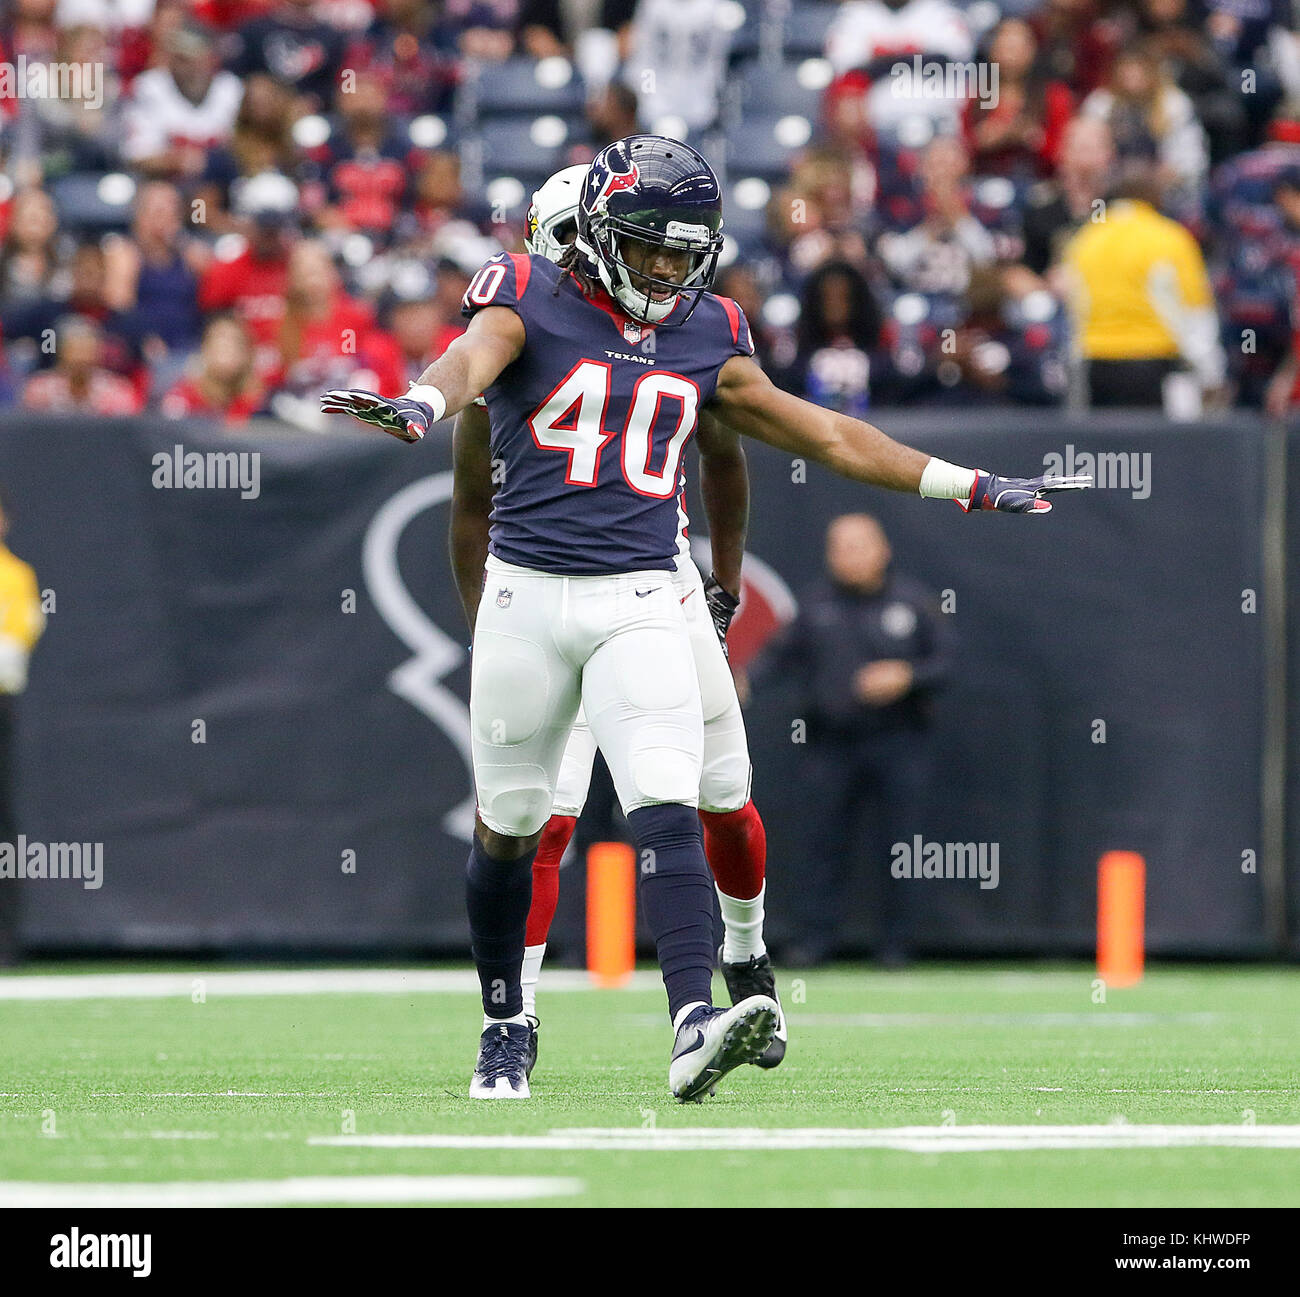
498, 893
676, 892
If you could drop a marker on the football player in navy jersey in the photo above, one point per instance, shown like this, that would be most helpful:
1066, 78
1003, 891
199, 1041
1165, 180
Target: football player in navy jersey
735, 842
579, 605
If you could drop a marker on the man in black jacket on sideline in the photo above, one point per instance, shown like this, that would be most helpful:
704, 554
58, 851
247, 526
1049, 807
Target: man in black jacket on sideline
868, 648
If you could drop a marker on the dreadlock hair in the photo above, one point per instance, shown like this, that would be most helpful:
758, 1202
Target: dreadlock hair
571, 261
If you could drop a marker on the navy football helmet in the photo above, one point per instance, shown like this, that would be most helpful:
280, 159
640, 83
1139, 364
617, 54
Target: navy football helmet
660, 192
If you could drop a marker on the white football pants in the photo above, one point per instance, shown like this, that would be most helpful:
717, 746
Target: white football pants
619, 646
726, 775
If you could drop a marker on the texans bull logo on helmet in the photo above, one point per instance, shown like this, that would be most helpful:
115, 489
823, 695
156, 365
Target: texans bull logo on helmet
607, 180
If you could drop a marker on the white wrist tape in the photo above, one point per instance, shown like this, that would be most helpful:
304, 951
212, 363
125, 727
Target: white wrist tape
943, 481
431, 397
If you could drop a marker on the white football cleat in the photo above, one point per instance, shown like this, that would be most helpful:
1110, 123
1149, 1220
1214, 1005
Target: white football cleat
712, 1042
502, 1068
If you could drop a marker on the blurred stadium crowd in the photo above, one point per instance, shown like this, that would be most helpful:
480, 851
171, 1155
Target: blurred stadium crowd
252, 201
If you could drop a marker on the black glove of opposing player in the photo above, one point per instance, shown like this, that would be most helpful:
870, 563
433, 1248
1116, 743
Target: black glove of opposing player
404, 419
1018, 494
722, 608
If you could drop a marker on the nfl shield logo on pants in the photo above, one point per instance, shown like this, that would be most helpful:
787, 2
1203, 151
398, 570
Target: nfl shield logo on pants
631, 332
503, 597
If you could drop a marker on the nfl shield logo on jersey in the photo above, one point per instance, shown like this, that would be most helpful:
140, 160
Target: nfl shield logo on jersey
631, 331
503, 597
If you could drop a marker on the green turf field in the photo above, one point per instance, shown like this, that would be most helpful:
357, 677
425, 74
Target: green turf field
233, 1087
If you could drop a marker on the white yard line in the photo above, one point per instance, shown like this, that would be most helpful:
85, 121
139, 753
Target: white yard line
166, 1134
219, 1094
214, 985
910, 1139
1099, 1017
397, 981
283, 1193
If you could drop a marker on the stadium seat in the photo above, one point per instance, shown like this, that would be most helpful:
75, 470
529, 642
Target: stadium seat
524, 85
512, 145
746, 40
91, 201
781, 90
508, 148
805, 29
745, 214
506, 195
432, 131
765, 145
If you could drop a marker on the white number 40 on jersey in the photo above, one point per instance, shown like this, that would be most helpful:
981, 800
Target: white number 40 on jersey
572, 419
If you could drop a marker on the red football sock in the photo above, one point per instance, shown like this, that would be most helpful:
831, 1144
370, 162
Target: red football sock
736, 844
546, 876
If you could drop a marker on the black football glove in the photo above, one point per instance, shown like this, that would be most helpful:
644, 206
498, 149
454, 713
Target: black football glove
1019, 494
722, 608
402, 418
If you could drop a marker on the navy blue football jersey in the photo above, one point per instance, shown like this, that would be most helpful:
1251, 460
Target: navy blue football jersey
590, 423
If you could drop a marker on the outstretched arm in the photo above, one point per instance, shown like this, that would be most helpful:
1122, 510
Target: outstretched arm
752, 404
494, 339
749, 402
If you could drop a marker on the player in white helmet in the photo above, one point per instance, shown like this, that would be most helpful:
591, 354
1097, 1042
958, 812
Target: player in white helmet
552, 222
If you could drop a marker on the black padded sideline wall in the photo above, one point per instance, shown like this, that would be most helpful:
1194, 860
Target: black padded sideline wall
325, 806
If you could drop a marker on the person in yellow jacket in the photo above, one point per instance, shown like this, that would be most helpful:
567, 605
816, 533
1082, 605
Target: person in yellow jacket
1141, 301
21, 624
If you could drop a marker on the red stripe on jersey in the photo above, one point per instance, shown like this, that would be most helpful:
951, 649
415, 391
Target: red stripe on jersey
733, 314
599, 298
523, 268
